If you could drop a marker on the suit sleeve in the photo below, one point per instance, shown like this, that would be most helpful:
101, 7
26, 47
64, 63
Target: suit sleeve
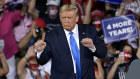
101, 50
45, 55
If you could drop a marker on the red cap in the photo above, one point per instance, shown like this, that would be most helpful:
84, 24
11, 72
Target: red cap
39, 22
32, 57
96, 13
129, 12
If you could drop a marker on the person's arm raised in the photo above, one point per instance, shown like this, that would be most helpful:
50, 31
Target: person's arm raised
122, 9
87, 17
111, 73
31, 9
73, 2
23, 10
100, 74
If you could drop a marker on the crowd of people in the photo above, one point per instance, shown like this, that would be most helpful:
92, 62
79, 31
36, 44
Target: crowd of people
26, 24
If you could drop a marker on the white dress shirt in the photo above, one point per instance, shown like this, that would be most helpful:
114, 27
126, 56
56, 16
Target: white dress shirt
76, 37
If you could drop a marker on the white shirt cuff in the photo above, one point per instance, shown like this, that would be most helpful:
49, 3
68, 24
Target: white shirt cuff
38, 53
93, 49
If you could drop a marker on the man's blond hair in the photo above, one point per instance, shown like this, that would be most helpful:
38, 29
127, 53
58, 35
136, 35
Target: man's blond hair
68, 7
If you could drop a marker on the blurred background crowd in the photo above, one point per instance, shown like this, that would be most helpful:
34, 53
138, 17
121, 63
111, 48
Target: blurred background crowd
23, 22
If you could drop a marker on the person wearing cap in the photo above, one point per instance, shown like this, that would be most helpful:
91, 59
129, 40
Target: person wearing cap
51, 16
37, 31
28, 68
29, 38
96, 17
59, 47
21, 28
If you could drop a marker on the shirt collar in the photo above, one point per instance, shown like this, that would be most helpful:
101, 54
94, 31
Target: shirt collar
75, 30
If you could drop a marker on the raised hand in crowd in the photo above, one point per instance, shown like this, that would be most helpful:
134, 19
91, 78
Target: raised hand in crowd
99, 73
111, 73
87, 17
37, 31
122, 63
21, 67
29, 68
121, 9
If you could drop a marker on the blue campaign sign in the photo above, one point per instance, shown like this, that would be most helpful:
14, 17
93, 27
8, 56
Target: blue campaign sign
112, 1
119, 28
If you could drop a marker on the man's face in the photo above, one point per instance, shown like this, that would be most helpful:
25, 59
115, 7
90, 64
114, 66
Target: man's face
68, 19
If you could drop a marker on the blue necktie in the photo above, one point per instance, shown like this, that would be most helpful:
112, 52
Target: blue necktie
76, 55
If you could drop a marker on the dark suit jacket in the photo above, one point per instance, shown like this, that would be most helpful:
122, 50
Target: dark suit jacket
58, 49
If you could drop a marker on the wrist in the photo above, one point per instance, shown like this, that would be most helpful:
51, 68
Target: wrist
98, 64
1, 56
122, 8
30, 33
116, 64
26, 57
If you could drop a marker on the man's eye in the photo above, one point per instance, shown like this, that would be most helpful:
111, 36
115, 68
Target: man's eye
63, 17
69, 17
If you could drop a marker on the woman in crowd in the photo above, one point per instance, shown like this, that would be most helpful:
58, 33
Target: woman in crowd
121, 65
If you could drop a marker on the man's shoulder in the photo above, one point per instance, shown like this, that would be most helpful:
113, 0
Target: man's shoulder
87, 27
55, 31
84, 25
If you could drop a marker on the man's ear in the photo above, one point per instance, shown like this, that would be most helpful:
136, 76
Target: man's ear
77, 18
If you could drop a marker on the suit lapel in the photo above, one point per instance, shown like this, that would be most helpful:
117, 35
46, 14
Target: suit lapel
82, 34
63, 42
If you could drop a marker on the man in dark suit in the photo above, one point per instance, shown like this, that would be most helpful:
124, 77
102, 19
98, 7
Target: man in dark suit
58, 47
